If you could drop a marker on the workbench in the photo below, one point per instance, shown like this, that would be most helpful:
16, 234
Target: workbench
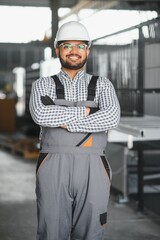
138, 134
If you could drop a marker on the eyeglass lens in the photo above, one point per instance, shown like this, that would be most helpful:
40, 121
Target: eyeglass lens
69, 46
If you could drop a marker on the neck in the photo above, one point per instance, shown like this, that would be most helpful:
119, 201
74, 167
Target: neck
71, 73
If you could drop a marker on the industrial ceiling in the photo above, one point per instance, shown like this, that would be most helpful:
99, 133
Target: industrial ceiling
80, 4
75, 6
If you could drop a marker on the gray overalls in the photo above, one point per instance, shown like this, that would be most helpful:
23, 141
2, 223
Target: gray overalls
73, 178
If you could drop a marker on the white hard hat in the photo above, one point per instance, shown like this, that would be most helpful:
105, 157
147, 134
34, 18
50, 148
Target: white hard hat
72, 31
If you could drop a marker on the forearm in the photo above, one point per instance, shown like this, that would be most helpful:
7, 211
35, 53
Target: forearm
106, 118
52, 115
55, 116
100, 121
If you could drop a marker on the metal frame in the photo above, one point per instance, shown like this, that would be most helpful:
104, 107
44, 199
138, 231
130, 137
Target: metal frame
128, 135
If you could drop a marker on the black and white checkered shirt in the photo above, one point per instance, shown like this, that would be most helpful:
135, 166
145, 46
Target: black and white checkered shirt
75, 117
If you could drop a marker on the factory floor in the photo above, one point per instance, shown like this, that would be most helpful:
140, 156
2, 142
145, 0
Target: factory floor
18, 207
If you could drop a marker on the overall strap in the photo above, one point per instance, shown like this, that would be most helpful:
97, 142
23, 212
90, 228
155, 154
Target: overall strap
92, 88
59, 87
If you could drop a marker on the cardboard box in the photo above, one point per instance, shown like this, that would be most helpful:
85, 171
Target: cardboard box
7, 115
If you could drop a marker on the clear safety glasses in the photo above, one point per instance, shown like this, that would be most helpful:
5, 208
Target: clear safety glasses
69, 46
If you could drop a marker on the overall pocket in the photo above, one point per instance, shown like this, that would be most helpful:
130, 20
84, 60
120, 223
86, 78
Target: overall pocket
106, 167
41, 159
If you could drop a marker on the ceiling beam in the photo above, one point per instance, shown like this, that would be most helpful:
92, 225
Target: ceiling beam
24, 3
37, 3
84, 4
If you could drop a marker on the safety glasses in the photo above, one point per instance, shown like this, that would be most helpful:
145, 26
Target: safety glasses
69, 46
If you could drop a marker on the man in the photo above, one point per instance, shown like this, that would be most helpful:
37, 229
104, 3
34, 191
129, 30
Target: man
74, 111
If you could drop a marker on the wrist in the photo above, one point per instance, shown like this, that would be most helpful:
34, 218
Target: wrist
87, 111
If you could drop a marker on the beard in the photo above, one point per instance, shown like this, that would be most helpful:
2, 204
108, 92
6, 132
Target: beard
73, 66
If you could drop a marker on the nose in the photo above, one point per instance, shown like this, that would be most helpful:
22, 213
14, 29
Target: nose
74, 49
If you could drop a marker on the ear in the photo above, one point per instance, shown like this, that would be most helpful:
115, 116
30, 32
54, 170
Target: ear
88, 52
57, 52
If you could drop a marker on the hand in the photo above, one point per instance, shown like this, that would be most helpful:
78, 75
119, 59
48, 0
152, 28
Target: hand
64, 126
87, 111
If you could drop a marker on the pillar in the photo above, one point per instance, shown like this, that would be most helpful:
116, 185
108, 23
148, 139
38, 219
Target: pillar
54, 25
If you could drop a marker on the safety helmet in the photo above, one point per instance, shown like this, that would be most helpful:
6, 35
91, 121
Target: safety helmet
72, 31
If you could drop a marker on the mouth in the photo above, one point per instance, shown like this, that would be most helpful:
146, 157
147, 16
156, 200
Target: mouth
73, 57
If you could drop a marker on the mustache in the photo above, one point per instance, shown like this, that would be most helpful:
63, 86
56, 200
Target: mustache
73, 55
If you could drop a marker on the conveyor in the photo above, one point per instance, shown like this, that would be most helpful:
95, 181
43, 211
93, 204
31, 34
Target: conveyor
139, 134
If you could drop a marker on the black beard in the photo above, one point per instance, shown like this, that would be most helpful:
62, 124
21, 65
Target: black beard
70, 66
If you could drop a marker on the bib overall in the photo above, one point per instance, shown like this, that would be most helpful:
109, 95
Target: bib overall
73, 178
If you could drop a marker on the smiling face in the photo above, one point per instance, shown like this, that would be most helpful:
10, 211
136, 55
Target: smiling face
72, 54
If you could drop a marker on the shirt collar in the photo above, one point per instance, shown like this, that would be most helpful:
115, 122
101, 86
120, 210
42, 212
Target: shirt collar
80, 74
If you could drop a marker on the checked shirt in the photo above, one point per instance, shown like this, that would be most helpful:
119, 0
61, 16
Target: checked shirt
76, 89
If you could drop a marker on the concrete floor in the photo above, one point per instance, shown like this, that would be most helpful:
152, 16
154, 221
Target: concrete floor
18, 207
